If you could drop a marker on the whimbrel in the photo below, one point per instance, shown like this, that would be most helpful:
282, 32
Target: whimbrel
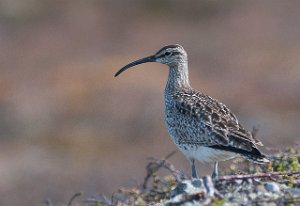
203, 128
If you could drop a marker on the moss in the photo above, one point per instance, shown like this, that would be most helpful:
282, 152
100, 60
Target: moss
218, 202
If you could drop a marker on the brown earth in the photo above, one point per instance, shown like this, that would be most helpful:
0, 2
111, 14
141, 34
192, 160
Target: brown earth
68, 125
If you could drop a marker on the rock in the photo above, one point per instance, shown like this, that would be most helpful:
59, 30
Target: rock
193, 192
294, 191
272, 187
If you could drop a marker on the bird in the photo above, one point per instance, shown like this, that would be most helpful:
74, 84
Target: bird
203, 128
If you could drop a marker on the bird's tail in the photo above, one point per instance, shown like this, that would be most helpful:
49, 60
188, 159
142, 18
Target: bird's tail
253, 155
257, 157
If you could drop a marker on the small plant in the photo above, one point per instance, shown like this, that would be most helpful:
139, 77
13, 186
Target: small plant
243, 183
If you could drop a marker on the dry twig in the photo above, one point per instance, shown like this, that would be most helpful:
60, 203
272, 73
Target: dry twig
73, 197
270, 175
156, 164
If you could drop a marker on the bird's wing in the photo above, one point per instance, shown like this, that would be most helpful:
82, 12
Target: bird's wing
221, 124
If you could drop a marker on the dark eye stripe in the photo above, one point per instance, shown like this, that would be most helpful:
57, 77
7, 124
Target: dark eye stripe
173, 53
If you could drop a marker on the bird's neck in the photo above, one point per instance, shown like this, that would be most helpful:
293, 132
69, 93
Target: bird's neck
178, 78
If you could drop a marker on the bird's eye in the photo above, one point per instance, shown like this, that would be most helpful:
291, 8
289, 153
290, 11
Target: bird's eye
167, 53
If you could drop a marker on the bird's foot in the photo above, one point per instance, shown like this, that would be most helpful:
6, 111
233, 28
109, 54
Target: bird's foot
215, 176
210, 187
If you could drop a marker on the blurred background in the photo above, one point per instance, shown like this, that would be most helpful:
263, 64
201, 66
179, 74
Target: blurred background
68, 125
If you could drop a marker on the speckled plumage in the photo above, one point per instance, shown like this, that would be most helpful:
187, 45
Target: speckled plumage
203, 128
195, 120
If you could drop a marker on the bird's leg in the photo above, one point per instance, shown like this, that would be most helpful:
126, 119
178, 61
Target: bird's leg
194, 171
215, 173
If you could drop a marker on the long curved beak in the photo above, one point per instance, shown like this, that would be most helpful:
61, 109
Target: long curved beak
140, 61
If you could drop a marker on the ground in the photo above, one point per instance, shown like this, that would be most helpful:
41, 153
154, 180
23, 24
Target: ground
243, 183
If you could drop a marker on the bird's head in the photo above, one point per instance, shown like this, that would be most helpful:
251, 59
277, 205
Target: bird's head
169, 55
